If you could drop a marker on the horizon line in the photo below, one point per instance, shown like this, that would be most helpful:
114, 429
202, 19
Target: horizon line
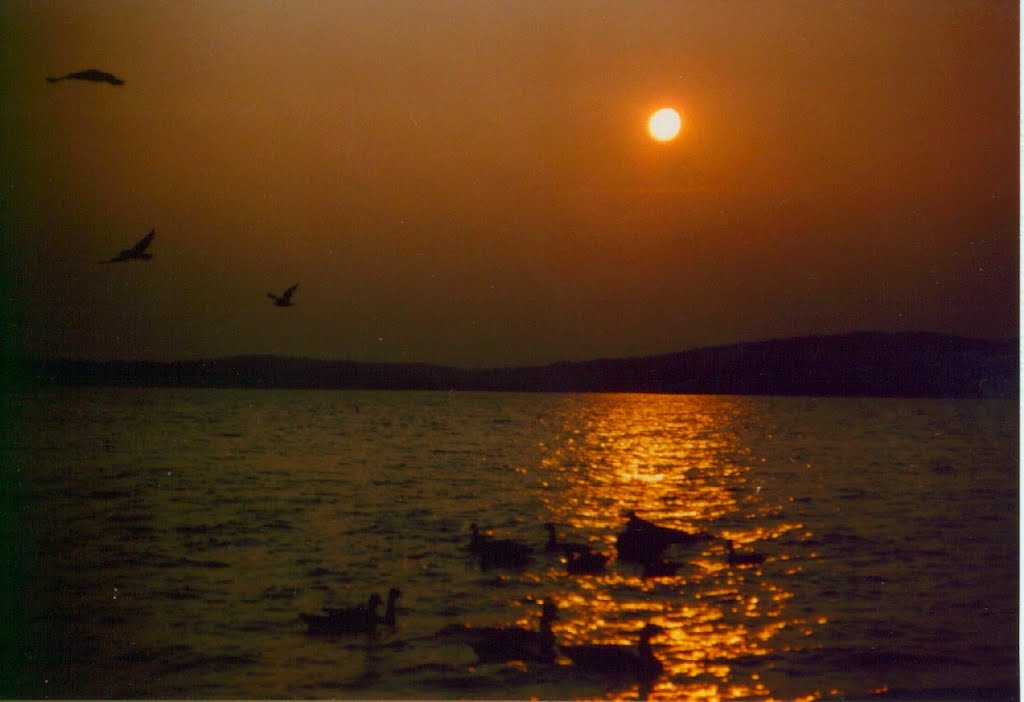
597, 359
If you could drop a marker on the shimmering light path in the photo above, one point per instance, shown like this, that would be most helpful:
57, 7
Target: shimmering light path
171, 538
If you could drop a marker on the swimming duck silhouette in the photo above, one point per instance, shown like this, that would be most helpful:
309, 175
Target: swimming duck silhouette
476, 539
135, 253
567, 547
359, 619
285, 299
749, 558
637, 662
643, 541
588, 563
90, 74
498, 553
503, 644
659, 569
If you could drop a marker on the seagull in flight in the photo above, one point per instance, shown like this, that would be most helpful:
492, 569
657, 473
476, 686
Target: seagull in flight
285, 300
89, 74
136, 252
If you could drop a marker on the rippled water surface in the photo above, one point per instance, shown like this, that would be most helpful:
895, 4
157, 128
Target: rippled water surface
168, 539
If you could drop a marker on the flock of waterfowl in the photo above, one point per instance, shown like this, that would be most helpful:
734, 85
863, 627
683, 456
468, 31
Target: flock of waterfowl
641, 543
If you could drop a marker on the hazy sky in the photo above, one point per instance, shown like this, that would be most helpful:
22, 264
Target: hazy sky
472, 183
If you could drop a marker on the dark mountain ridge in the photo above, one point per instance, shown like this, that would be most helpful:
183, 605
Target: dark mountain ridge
873, 364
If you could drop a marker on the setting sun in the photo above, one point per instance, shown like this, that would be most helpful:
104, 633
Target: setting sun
664, 124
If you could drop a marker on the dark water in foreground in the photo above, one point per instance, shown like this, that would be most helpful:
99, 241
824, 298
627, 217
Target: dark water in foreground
169, 539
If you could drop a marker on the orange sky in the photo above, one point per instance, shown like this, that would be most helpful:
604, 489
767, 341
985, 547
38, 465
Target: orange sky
471, 182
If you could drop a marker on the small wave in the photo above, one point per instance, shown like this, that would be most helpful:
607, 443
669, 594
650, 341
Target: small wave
150, 654
212, 663
202, 529
457, 681
182, 593
1006, 691
280, 593
109, 494
844, 537
498, 582
196, 529
154, 561
319, 572
200, 564
430, 668
364, 681
812, 661
130, 518
277, 524
140, 533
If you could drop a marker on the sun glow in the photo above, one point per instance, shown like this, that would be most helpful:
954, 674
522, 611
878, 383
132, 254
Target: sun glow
664, 124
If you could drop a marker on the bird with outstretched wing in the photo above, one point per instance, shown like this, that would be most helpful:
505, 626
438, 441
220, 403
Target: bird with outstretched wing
285, 299
135, 253
88, 75
92, 74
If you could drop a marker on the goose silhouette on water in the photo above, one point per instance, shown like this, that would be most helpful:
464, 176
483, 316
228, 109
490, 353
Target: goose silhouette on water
659, 569
359, 619
749, 558
285, 299
90, 74
588, 563
637, 662
503, 644
476, 539
137, 252
567, 547
498, 553
643, 541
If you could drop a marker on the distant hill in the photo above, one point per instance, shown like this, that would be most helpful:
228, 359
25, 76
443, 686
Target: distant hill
874, 364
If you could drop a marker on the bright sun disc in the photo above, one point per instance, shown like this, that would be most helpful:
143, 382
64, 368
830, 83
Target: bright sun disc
664, 124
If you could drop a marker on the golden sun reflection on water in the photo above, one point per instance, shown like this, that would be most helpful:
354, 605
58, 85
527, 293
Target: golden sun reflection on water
680, 462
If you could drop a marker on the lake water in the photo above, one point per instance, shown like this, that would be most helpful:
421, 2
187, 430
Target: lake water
167, 541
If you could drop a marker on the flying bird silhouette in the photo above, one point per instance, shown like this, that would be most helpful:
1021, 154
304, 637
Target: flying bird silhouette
136, 252
89, 74
285, 300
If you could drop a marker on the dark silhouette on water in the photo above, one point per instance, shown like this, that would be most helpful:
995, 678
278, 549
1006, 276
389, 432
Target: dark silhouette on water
659, 569
350, 620
90, 74
358, 619
285, 300
503, 644
588, 563
618, 660
135, 253
567, 547
498, 553
645, 542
